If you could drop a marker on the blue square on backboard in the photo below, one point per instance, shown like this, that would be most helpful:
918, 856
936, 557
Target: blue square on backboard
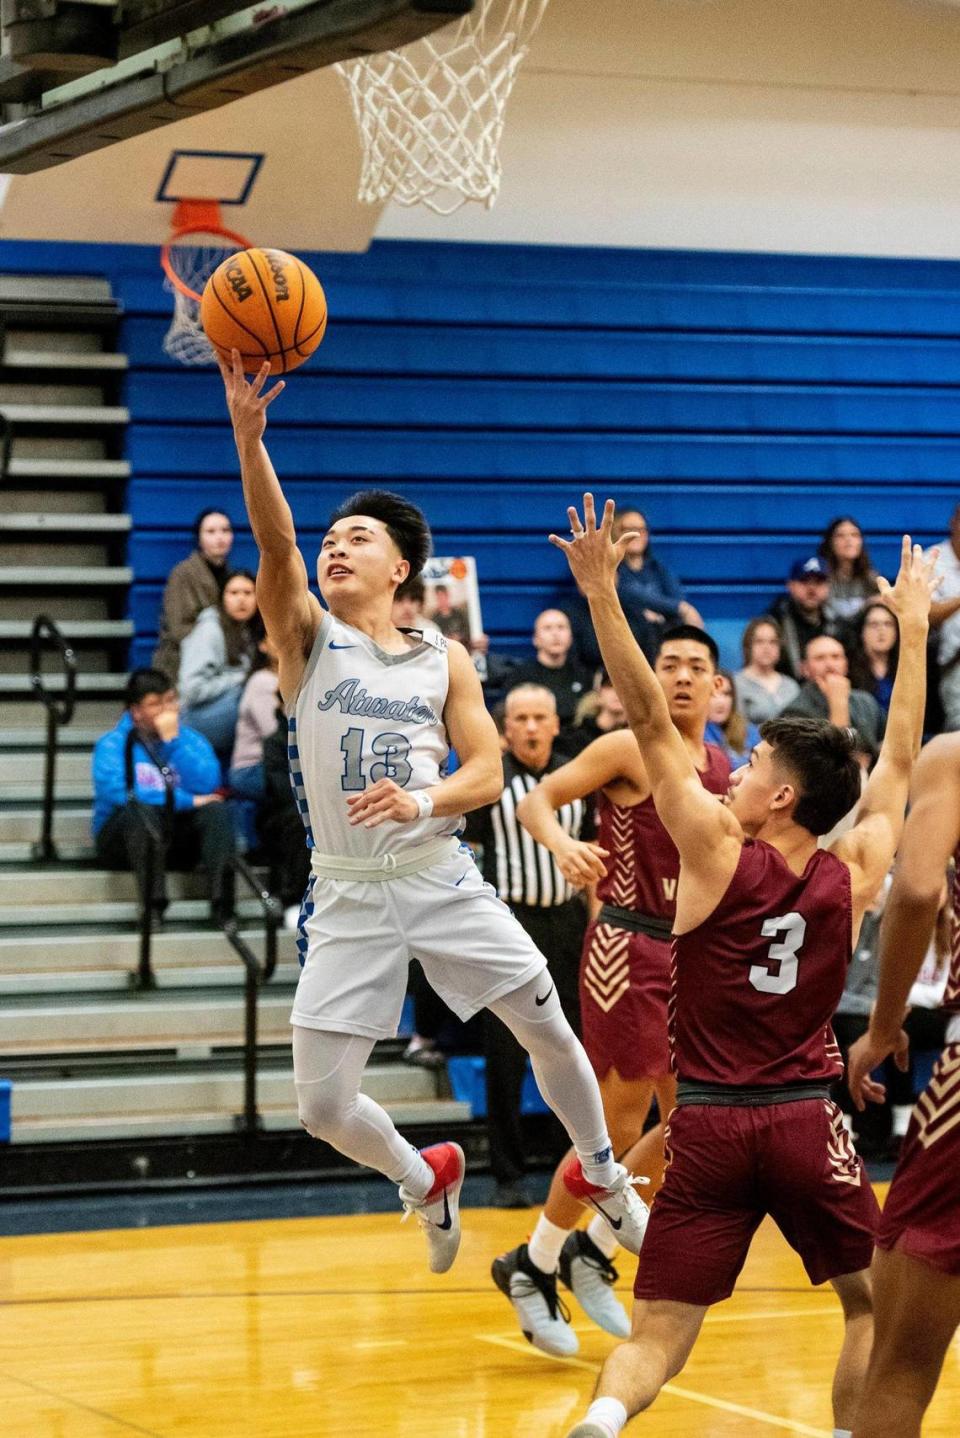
6, 1088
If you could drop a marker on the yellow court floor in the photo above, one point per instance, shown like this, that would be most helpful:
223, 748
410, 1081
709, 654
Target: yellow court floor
333, 1328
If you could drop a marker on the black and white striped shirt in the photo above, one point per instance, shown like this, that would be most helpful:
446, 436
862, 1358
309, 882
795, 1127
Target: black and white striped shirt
521, 870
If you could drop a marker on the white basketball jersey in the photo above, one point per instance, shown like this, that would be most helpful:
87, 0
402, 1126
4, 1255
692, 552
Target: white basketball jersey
362, 715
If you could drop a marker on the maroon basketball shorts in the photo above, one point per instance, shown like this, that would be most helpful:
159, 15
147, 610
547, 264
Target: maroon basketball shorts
727, 1168
624, 991
921, 1216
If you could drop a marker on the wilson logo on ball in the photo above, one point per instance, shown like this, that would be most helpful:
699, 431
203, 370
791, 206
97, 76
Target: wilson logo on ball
281, 287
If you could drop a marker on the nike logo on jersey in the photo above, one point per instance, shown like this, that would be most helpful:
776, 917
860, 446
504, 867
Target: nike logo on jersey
341, 646
541, 1001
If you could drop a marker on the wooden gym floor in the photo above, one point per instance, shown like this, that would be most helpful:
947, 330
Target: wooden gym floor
332, 1326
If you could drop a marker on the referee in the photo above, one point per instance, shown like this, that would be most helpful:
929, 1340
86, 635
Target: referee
525, 876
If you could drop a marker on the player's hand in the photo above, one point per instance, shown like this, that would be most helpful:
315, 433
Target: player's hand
200, 800
864, 1056
916, 583
581, 863
383, 800
592, 553
245, 399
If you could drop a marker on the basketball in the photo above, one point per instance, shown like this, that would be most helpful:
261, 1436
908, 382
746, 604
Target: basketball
266, 304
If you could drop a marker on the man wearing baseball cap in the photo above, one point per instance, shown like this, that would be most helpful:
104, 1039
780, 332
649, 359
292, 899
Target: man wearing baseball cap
800, 612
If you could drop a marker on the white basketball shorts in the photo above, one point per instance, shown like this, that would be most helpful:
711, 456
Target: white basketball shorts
356, 940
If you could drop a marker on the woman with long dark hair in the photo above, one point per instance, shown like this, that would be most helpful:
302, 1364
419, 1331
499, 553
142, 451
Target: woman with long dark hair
216, 658
874, 653
193, 585
853, 579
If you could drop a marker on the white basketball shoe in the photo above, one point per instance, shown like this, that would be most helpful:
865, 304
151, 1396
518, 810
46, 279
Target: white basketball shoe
439, 1213
590, 1276
620, 1204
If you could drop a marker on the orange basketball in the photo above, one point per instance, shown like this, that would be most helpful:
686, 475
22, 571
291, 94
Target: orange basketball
266, 304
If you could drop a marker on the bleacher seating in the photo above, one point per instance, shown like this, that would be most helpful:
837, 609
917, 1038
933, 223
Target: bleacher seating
744, 399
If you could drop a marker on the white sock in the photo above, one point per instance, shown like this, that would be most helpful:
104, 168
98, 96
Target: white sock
600, 1233
599, 1165
545, 1244
843, 1433
420, 1177
610, 1412
901, 1119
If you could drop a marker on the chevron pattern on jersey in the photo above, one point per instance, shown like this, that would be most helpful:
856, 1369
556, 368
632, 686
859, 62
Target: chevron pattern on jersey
938, 1107
623, 889
844, 1164
606, 975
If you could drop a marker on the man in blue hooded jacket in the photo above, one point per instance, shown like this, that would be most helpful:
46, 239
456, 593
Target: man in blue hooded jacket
165, 753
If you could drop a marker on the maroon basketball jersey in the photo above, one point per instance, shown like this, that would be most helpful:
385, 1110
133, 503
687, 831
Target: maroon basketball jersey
644, 866
756, 985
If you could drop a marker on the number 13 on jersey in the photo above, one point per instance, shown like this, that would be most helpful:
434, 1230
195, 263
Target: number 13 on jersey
391, 752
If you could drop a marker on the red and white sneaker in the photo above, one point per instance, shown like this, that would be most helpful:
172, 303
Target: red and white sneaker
620, 1204
439, 1213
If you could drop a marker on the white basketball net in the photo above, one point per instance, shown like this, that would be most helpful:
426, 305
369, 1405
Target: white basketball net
194, 258
431, 115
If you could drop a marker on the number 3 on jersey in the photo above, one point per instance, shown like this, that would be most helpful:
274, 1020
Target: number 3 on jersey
391, 762
779, 974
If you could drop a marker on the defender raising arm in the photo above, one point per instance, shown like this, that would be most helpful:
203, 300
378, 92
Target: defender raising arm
763, 935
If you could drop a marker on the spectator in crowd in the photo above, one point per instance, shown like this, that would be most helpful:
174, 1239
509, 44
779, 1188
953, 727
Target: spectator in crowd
554, 667
256, 721
801, 612
527, 878
853, 579
727, 727
827, 693
193, 585
763, 692
650, 593
283, 838
875, 651
215, 659
598, 712
165, 751
945, 619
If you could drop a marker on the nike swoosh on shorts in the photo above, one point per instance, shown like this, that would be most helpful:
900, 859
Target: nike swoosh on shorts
541, 1001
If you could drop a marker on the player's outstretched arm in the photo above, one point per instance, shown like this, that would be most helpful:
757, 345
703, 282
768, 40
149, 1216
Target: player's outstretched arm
696, 821
477, 781
930, 836
290, 612
868, 848
611, 758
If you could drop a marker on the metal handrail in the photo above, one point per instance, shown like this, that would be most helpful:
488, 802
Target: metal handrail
144, 977
257, 974
57, 714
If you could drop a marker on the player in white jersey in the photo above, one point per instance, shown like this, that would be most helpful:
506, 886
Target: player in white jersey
370, 709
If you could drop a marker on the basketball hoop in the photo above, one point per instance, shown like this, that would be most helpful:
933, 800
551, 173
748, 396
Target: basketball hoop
431, 115
198, 243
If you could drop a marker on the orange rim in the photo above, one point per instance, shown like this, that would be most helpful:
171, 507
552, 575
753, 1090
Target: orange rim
240, 241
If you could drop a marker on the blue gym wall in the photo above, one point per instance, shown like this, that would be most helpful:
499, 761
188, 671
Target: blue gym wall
744, 400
